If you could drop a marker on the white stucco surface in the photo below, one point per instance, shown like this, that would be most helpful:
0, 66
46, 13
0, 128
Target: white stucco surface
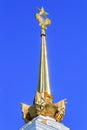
50, 124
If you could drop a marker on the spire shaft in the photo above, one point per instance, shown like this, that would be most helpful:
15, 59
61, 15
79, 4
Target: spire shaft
43, 81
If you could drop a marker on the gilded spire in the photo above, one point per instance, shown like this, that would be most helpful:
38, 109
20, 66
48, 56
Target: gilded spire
43, 80
42, 104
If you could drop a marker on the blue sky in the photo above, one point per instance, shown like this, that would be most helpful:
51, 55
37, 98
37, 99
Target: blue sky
19, 58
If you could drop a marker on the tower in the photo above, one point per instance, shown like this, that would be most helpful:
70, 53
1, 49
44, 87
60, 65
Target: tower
43, 114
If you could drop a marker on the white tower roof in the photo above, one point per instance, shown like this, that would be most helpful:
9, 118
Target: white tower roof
44, 123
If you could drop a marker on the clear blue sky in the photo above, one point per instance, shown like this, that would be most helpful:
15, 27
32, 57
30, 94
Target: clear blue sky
19, 58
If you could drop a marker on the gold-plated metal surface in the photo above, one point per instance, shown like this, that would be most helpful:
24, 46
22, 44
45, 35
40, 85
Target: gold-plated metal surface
44, 121
45, 108
43, 78
42, 104
42, 18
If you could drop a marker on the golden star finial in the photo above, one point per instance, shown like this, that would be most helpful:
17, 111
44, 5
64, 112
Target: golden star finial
42, 12
42, 18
